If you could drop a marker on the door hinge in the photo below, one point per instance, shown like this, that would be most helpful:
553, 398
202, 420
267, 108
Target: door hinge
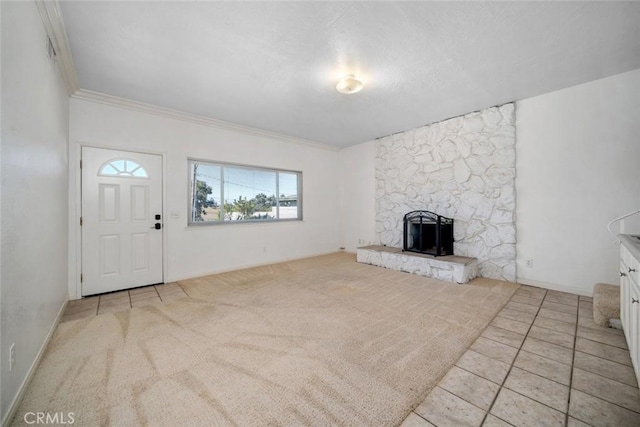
80, 164
81, 278
81, 221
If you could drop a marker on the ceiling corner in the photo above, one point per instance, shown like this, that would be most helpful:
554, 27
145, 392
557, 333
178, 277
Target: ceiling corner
53, 22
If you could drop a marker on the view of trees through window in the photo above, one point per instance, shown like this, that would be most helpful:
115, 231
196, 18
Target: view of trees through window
221, 192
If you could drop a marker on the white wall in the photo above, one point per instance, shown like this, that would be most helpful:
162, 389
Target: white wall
204, 250
34, 193
578, 154
358, 219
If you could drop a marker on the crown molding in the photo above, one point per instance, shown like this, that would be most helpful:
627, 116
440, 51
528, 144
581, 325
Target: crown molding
53, 22
101, 98
54, 26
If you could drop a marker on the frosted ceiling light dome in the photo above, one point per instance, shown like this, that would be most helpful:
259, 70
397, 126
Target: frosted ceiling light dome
349, 84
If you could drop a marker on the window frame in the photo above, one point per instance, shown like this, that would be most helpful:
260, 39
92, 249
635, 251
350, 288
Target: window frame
222, 165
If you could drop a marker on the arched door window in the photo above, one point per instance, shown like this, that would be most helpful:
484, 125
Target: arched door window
124, 168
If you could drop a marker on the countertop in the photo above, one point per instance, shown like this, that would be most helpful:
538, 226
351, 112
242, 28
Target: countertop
632, 243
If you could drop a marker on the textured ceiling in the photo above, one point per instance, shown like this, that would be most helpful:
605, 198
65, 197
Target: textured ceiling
274, 65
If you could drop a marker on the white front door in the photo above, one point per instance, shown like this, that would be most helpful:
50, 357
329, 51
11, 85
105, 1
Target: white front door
121, 220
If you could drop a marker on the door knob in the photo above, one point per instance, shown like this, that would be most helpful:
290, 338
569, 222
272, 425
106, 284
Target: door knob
631, 269
622, 274
633, 300
157, 226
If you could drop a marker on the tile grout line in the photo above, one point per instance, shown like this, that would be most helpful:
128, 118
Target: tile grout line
155, 288
513, 391
180, 286
414, 412
573, 367
573, 353
556, 332
604, 343
486, 412
512, 363
568, 305
551, 318
548, 379
605, 359
509, 330
454, 394
600, 398
573, 362
600, 357
502, 317
100, 302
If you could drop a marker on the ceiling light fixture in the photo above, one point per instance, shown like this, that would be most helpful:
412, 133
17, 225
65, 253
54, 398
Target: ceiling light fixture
349, 84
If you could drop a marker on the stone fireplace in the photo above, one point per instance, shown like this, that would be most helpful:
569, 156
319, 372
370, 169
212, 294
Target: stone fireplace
462, 168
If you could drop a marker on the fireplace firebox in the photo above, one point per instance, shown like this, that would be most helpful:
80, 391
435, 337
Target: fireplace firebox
428, 233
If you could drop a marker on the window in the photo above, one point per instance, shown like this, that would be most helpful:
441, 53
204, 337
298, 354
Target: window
220, 192
123, 168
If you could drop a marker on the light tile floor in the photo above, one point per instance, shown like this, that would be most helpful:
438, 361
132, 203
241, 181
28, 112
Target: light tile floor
541, 362
123, 300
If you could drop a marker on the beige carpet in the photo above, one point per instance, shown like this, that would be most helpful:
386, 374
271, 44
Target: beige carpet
319, 341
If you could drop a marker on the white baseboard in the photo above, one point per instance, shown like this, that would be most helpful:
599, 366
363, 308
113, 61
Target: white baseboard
554, 286
27, 380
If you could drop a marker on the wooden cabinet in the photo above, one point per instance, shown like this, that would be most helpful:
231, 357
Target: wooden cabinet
630, 297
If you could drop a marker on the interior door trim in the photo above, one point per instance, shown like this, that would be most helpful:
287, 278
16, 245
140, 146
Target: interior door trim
75, 211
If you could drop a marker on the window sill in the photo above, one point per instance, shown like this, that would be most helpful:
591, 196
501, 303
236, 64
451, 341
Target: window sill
257, 223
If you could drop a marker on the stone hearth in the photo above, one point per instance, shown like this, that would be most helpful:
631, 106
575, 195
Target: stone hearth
450, 268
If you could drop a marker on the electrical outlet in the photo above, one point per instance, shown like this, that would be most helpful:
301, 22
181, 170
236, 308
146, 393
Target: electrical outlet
529, 263
12, 356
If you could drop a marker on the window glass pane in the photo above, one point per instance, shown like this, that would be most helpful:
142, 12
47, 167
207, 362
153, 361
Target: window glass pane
221, 192
141, 173
108, 170
249, 194
288, 186
130, 166
205, 194
123, 168
118, 165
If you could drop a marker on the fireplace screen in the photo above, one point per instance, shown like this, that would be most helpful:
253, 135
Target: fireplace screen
428, 233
